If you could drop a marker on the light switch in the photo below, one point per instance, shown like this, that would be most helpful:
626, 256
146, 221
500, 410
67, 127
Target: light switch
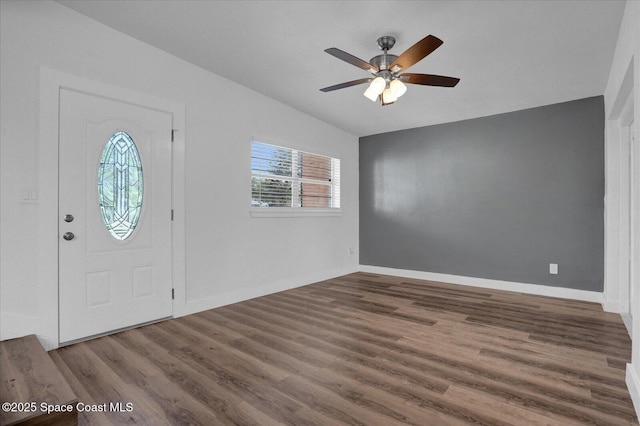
553, 268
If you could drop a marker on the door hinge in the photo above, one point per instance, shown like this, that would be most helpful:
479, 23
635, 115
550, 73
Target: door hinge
171, 214
173, 294
173, 131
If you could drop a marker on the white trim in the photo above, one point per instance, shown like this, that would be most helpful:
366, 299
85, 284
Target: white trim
613, 306
179, 228
616, 250
273, 287
47, 250
633, 384
292, 212
18, 326
537, 289
628, 323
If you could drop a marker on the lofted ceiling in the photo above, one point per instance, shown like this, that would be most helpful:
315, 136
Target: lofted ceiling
509, 55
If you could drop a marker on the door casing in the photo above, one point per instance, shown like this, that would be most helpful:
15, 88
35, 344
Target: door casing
47, 246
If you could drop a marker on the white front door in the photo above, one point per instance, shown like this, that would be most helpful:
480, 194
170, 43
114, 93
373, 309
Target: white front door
114, 215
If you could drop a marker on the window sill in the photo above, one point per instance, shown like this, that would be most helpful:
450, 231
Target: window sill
293, 212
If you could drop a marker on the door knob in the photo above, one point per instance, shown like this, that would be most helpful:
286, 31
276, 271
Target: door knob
68, 218
68, 236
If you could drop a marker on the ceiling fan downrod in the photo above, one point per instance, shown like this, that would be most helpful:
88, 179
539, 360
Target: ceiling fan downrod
383, 62
385, 43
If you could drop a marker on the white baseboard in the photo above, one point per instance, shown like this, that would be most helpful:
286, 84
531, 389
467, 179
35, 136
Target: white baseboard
628, 323
611, 306
537, 289
13, 326
633, 384
250, 293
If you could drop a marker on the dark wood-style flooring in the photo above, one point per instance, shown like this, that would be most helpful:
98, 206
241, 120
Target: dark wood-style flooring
368, 350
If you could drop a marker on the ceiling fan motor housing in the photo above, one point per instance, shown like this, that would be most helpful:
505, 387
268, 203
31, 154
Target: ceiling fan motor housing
382, 62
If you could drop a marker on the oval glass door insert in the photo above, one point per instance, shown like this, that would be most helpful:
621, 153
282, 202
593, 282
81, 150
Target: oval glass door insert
120, 185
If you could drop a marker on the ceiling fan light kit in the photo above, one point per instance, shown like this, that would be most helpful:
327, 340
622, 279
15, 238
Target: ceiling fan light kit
397, 87
371, 94
388, 84
387, 97
378, 85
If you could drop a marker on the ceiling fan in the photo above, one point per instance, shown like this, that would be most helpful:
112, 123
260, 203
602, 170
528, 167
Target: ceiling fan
387, 83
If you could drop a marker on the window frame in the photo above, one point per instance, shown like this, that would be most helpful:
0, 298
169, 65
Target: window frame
295, 211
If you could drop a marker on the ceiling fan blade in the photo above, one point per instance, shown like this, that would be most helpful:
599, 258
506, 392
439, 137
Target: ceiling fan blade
429, 79
416, 52
347, 84
347, 57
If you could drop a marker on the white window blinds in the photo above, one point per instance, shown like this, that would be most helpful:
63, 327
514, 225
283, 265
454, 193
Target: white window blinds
285, 177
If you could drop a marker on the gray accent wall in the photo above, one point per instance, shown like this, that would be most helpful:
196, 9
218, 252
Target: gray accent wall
498, 197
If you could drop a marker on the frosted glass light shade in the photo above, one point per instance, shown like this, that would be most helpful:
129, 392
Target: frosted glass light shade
371, 94
398, 88
388, 97
378, 85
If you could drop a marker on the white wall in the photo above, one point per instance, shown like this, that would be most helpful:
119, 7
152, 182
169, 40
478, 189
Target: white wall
624, 81
229, 255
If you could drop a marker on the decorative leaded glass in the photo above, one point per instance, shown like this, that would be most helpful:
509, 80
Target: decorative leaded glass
120, 185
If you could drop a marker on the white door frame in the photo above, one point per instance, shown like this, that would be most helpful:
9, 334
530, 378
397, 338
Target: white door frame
618, 201
627, 213
47, 249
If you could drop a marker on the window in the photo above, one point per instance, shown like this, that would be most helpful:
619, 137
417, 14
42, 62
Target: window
120, 185
289, 178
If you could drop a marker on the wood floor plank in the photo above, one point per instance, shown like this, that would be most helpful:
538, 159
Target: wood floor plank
102, 385
365, 349
377, 401
84, 417
191, 389
499, 380
510, 414
27, 375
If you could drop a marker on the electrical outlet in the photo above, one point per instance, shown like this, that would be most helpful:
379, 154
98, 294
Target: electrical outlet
553, 268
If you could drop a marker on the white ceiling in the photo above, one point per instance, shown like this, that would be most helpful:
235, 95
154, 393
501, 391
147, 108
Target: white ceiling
509, 55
